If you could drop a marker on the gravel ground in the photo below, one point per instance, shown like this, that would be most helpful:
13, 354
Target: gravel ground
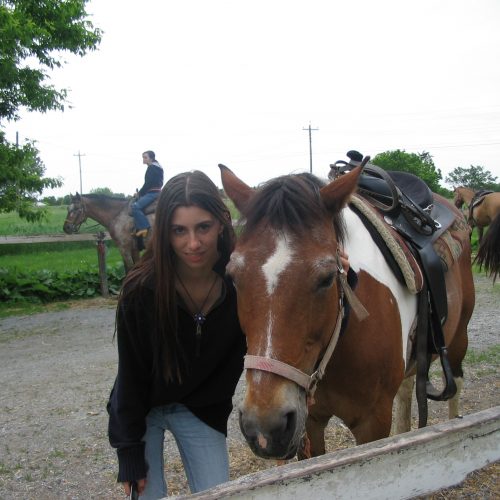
57, 369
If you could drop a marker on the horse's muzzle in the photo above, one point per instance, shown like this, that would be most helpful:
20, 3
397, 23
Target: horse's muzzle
69, 228
274, 436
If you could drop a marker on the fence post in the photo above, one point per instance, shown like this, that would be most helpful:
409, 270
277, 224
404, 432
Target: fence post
101, 258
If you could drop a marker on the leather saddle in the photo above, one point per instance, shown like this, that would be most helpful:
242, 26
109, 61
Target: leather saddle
477, 199
410, 208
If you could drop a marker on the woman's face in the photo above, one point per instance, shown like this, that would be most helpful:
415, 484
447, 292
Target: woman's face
193, 234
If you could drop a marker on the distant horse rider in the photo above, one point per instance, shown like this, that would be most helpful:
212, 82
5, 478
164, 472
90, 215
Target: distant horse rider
153, 182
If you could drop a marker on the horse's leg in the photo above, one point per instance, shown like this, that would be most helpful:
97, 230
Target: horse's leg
375, 424
454, 402
456, 354
127, 262
129, 253
402, 406
315, 429
461, 300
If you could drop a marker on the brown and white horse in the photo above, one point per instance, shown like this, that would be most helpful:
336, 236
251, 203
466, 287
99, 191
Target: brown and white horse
112, 213
288, 280
484, 214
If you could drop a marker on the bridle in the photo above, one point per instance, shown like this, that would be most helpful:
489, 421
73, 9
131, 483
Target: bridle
77, 214
310, 382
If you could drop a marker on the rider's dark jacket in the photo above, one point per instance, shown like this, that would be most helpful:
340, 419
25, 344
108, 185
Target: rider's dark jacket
207, 386
153, 179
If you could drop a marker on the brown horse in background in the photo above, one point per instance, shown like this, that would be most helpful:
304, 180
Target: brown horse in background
291, 292
483, 211
112, 213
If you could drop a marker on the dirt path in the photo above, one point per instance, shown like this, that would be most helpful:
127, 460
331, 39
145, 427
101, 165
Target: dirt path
57, 368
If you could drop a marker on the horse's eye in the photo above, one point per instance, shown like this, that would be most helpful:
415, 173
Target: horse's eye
326, 281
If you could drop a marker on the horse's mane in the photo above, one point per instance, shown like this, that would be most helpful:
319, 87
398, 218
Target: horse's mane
105, 200
292, 203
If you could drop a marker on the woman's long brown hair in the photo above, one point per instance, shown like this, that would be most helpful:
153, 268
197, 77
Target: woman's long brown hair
157, 264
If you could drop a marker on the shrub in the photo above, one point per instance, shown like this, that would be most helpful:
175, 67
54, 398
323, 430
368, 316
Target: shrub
45, 286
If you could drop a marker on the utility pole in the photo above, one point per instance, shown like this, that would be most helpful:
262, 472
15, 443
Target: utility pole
310, 147
80, 167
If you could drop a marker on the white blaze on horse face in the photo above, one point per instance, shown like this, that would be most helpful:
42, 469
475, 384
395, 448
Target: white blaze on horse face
365, 255
275, 266
277, 263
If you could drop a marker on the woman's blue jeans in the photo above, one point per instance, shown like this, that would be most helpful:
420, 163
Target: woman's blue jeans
140, 220
203, 450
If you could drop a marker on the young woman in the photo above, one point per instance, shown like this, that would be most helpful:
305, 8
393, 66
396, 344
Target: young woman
153, 181
180, 344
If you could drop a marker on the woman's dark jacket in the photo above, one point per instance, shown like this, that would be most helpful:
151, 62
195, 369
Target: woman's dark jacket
153, 179
207, 386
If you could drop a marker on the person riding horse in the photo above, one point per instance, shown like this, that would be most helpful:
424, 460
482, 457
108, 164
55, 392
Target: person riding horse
153, 182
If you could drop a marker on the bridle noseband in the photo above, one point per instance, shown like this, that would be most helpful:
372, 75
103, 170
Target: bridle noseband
310, 382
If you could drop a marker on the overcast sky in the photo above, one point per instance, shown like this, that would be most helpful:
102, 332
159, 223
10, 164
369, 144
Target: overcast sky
202, 82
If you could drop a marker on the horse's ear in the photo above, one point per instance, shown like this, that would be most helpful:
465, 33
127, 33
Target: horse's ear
336, 195
237, 191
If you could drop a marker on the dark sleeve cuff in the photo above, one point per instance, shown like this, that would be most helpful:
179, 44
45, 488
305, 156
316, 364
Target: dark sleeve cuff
131, 463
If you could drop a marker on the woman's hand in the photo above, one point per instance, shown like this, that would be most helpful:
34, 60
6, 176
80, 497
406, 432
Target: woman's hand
141, 484
344, 259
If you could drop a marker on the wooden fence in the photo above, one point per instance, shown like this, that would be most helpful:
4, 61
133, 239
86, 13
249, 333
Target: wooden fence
399, 467
52, 238
99, 238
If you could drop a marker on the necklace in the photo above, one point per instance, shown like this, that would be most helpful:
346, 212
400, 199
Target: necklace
199, 317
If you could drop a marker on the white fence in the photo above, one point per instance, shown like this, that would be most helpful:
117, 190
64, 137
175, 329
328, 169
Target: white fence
399, 467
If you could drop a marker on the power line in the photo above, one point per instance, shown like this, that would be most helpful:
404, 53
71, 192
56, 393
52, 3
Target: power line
310, 147
80, 167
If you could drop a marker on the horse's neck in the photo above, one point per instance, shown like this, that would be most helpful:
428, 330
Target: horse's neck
103, 215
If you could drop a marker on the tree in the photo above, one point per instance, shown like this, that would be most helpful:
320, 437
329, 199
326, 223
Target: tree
33, 37
420, 164
474, 177
21, 177
107, 191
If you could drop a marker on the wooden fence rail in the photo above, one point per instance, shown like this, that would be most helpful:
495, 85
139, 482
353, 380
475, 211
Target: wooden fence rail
99, 238
399, 467
50, 238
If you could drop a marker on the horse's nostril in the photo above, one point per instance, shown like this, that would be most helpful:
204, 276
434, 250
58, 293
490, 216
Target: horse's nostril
291, 421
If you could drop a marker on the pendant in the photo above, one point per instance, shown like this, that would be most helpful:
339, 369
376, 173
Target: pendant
199, 318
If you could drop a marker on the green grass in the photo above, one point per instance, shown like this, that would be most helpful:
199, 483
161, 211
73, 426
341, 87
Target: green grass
491, 356
11, 224
55, 256
52, 256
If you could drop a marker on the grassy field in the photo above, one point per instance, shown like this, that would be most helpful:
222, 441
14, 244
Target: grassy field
12, 224
57, 256
53, 256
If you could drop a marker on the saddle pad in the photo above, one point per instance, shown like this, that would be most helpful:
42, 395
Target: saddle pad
397, 252
392, 245
448, 246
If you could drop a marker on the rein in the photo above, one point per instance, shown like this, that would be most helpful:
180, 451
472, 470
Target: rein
310, 382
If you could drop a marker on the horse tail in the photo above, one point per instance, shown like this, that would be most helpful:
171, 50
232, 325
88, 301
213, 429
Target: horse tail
488, 254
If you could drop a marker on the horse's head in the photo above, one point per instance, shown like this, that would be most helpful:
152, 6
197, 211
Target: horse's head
285, 268
457, 197
76, 215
